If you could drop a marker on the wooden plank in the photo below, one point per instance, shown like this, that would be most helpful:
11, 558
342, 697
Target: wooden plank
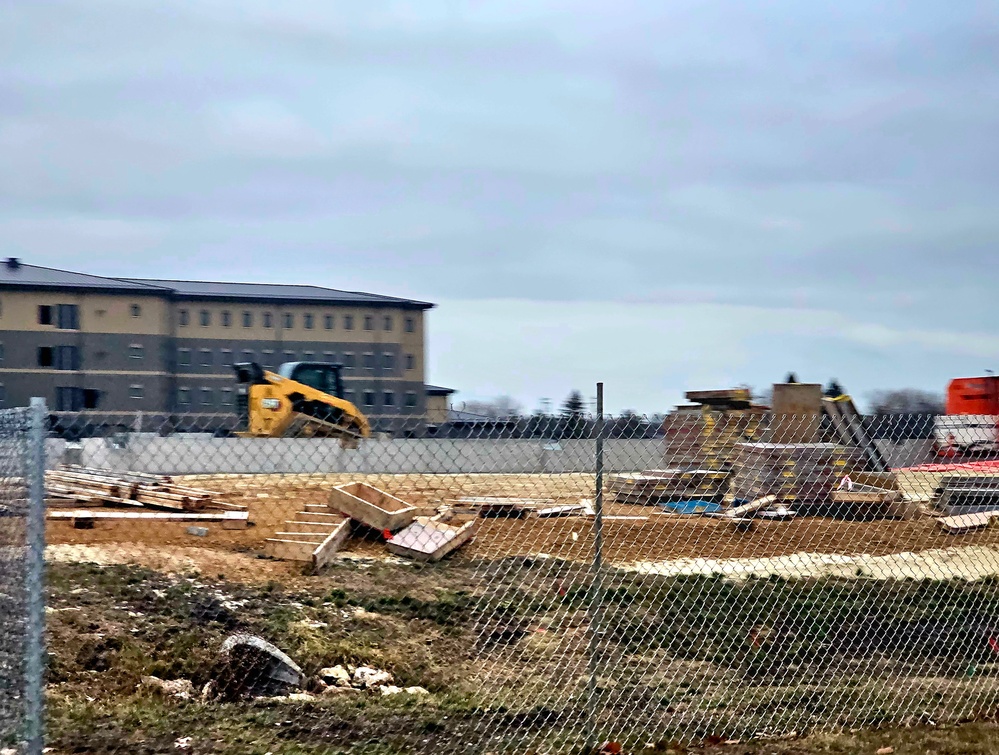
956, 525
306, 536
160, 516
751, 507
289, 550
322, 555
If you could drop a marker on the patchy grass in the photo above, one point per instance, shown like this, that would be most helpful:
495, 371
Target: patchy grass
502, 647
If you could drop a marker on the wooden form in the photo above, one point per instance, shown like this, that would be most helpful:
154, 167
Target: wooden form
429, 540
803, 473
494, 506
372, 507
313, 537
752, 507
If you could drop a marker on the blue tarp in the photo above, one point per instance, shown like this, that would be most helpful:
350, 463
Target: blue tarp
691, 507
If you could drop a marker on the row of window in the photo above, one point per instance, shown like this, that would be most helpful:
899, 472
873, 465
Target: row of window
63, 316
206, 397
369, 360
309, 320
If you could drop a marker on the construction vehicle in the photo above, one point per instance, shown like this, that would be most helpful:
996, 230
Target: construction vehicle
301, 399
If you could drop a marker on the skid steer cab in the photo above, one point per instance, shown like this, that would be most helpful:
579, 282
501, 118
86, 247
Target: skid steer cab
300, 400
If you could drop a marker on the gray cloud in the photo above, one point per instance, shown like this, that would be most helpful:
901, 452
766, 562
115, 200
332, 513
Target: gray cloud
803, 157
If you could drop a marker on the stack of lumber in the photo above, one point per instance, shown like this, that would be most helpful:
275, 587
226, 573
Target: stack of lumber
76, 486
706, 432
957, 495
658, 485
803, 473
313, 536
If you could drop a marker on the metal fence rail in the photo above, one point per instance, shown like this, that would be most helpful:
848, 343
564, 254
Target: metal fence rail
719, 573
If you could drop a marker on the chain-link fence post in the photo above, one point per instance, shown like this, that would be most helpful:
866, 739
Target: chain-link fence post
34, 577
596, 590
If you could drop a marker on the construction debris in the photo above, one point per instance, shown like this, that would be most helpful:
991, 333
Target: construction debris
492, 506
957, 525
800, 473
429, 540
371, 507
848, 429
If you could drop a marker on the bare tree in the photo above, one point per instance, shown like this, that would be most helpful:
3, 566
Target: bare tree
906, 401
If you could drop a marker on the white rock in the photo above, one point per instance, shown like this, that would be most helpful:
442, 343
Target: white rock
368, 678
182, 689
389, 689
416, 691
335, 691
184, 743
337, 676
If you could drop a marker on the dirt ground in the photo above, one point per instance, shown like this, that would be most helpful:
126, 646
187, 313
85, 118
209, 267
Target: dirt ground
273, 500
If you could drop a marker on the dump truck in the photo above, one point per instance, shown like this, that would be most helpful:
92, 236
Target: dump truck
301, 399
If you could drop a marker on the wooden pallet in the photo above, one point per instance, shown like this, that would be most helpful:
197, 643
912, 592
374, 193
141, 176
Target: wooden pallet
312, 536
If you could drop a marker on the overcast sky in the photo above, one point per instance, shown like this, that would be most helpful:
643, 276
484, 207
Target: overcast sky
659, 195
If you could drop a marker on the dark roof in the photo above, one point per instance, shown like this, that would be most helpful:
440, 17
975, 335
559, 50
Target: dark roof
32, 276
275, 291
436, 390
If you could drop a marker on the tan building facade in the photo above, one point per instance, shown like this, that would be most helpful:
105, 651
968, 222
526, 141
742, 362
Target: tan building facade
167, 347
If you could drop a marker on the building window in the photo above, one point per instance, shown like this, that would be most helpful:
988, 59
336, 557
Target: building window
410, 325
348, 395
44, 314
136, 351
136, 311
307, 321
369, 322
411, 399
348, 322
348, 360
184, 396
389, 398
183, 357
135, 391
226, 318
68, 399
247, 355
289, 321
387, 323
328, 322
182, 318
369, 398
227, 357
3, 395
268, 356
247, 319
205, 318
227, 397
289, 356
1, 353
268, 320
69, 317
308, 356
328, 356
207, 399
45, 356
206, 358
388, 361
67, 358
369, 360
410, 362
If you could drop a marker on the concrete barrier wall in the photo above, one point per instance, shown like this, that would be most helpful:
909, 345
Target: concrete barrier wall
203, 454
196, 454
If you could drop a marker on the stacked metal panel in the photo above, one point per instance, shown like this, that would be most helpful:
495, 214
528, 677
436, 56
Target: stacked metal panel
803, 473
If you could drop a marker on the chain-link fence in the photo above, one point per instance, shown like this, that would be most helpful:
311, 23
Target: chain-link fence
533, 585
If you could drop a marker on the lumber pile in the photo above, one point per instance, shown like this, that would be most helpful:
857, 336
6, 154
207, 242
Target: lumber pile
705, 432
81, 486
803, 473
658, 485
958, 525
